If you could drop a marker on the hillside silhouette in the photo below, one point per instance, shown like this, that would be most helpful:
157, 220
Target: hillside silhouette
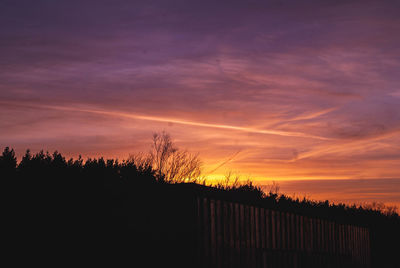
60, 210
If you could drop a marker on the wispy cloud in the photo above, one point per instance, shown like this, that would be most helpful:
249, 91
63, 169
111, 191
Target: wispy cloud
177, 121
303, 89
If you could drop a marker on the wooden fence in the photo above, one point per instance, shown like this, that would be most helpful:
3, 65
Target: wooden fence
237, 235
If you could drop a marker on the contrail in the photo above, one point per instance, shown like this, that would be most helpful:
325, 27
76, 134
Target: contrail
224, 162
177, 121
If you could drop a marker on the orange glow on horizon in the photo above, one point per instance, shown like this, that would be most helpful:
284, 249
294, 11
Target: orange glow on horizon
284, 156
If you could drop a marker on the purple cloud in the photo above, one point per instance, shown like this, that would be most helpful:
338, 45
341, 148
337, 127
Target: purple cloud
221, 77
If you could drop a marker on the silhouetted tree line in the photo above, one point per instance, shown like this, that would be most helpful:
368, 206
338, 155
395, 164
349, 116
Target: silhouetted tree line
104, 208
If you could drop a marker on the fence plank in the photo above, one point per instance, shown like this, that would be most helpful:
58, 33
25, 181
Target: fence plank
247, 235
231, 219
278, 233
301, 218
348, 240
268, 228
353, 235
326, 235
356, 247
252, 227
288, 231
312, 233
242, 236
323, 235
342, 241
293, 231
306, 233
357, 243
273, 230
262, 228
331, 238
237, 233
283, 229
258, 236
362, 242
213, 234
336, 237
226, 224
315, 235
365, 243
219, 233
257, 226
368, 249
319, 235
353, 229
338, 240
252, 237
200, 230
206, 234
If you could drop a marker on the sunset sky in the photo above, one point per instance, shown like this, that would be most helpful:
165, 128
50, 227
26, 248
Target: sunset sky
289, 91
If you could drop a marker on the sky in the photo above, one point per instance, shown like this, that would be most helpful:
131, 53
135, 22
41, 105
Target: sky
304, 93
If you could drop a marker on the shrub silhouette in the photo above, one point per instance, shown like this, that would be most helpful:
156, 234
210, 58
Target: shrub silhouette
106, 205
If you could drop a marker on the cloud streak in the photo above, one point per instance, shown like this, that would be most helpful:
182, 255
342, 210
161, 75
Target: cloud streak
303, 89
177, 121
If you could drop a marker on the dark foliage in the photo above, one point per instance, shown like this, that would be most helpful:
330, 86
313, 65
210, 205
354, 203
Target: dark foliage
62, 210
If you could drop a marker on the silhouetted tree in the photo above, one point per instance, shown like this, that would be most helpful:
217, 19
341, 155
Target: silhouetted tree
172, 164
107, 204
8, 162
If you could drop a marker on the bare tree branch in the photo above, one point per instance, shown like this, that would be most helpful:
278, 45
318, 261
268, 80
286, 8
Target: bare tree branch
172, 164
